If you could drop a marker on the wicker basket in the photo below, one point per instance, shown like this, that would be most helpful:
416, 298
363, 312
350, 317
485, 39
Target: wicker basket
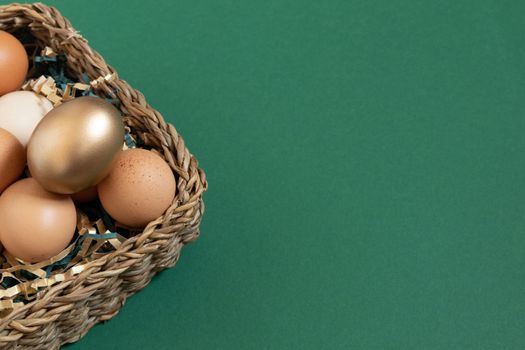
66, 311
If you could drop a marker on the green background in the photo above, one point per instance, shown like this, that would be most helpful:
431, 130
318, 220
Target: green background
366, 166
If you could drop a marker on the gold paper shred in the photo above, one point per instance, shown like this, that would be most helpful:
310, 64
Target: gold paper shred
9, 304
53, 97
8, 275
81, 86
83, 252
30, 288
36, 269
47, 90
108, 78
11, 260
10, 292
68, 92
49, 52
100, 226
47, 87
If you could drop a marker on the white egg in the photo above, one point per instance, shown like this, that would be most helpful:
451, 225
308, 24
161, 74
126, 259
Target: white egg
20, 113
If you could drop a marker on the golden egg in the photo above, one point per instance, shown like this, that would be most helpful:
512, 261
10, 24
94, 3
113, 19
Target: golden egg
75, 144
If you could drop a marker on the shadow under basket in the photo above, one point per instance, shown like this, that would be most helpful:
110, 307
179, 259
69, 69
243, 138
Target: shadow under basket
65, 312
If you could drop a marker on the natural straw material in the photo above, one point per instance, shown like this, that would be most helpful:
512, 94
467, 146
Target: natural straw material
66, 311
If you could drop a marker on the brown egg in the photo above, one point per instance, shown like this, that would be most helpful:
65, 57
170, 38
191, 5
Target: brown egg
85, 196
13, 63
35, 224
12, 159
139, 188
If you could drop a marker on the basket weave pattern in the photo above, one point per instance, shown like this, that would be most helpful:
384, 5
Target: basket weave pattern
65, 312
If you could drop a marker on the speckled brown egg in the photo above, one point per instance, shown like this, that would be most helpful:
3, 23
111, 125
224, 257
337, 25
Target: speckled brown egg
139, 188
12, 159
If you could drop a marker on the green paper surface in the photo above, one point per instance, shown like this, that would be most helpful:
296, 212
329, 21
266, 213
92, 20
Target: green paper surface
366, 166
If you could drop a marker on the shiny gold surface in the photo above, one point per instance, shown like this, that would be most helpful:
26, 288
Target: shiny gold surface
73, 147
